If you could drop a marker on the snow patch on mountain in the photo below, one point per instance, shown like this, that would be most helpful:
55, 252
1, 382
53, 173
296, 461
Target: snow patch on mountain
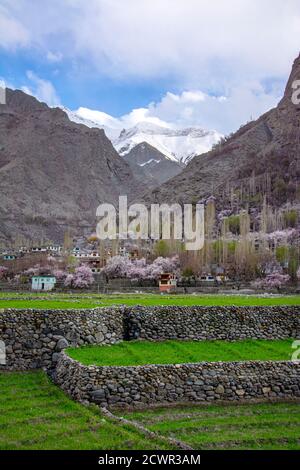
152, 160
91, 119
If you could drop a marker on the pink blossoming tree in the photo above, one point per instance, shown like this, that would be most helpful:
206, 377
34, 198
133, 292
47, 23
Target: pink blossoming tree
60, 274
121, 267
275, 280
82, 278
3, 272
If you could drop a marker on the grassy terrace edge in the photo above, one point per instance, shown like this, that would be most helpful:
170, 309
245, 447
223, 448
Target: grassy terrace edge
83, 301
142, 353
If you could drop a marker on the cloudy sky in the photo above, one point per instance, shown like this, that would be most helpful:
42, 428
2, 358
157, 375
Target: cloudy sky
209, 63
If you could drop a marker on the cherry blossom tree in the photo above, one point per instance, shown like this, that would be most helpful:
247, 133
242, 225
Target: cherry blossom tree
120, 267
38, 270
275, 280
69, 280
162, 265
117, 267
82, 278
3, 272
60, 274
137, 269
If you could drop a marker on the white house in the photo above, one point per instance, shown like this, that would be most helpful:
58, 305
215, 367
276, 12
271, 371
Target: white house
43, 282
54, 248
8, 257
89, 255
207, 278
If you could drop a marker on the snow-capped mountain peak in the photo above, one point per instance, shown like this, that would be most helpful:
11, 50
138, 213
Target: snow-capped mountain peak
91, 119
178, 145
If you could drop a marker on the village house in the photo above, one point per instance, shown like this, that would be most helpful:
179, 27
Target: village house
167, 282
9, 257
38, 249
92, 259
56, 249
43, 283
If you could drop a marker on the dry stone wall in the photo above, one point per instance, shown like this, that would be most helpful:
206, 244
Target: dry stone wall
202, 382
212, 323
33, 338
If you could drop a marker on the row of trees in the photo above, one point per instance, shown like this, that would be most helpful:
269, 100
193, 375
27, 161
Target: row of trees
82, 277
244, 245
123, 267
249, 245
117, 267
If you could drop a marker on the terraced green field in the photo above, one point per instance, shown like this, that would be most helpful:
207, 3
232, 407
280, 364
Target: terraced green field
134, 353
81, 300
35, 414
247, 427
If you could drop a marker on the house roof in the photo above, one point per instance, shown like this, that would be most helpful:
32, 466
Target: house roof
44, 275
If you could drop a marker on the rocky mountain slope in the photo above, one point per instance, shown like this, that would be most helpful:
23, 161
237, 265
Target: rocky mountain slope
261, 159
53, 172
151, 166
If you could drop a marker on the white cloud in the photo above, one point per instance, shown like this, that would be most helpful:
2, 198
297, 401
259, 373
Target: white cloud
189, 40
54, 56
42, 89
226, 48
223, 113
136, 116
12, 33
195, 109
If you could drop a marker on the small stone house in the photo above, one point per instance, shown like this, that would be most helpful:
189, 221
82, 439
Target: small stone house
167, 282
43, 283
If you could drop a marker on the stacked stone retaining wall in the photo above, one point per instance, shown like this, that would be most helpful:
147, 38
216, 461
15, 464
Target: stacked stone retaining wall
162, 384
33, 338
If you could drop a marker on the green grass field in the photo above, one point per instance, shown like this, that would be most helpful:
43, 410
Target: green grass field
80, 301
136, 353
35, 414
254, 427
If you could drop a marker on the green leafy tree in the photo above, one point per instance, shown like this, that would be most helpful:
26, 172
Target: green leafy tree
188, 272
234, 224
161, 248
291, 218
282, 254
293, 265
